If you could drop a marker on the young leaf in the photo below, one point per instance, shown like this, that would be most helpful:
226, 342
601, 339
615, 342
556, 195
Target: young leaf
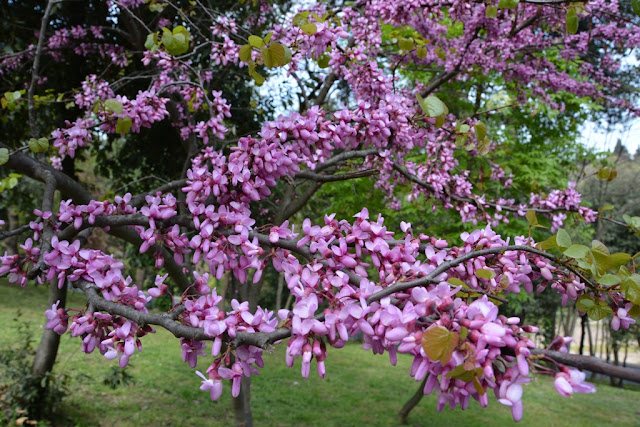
432, 106
323, 61
481, 132
484, 273
532, 218
547, 244
572, 21
491, 12
508, 4
406, 44
609, 280
4, 156
576, 251
38, 145
631, 288
309, 29
245, 53
439, 343
421, 52
563, 239
256, 41
152, 40
457, 282
278, 54
113, 105
123, 125
635, 5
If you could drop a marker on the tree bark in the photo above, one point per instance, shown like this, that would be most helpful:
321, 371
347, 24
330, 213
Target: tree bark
411, 403
242, 405
48, 349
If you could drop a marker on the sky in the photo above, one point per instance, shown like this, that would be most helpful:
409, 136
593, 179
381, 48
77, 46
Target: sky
594, 136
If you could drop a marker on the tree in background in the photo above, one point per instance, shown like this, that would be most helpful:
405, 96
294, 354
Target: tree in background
245, 110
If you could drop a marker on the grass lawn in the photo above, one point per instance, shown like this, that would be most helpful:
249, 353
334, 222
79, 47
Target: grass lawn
360, 389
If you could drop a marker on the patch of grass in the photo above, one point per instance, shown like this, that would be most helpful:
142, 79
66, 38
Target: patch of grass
360, 389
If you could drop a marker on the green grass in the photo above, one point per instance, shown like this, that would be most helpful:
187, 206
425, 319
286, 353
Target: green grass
360, 389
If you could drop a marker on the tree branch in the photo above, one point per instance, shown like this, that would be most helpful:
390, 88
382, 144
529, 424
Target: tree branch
35, 68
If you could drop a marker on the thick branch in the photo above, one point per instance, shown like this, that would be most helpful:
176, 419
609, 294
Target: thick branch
345, 155
306, 174
590, 363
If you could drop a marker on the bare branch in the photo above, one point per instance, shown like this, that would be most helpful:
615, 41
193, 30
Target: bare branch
590, 363
35, 69
306, 174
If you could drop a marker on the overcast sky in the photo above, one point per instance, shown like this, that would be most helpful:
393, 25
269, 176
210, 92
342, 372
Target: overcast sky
594, 136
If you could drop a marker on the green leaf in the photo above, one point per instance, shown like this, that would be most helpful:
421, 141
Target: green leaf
464, 332
508, 4
439, 343
300, 18
245, 53
563, 239
38, 145
606, 208
609, 280
550, 243
484, 273
113, 105
635, 5
631, 288
152, 40
603, 173
123, 125
278, 55
421, 52
256, 41
258, 78
267, 58
585, 302
309, 29
323, 61
572, 20
176, 42
406, 44
532, 218
287, 54
618, 259
600, 255
576, 251
4, 156
267, 38
595, 309
491, 12
432, 106
599, 311
457, 282
635, 311
481, 133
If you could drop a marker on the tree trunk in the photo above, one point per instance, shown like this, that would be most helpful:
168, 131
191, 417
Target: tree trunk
279, 292
242, 405
583, 326
48, 349
411, 403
